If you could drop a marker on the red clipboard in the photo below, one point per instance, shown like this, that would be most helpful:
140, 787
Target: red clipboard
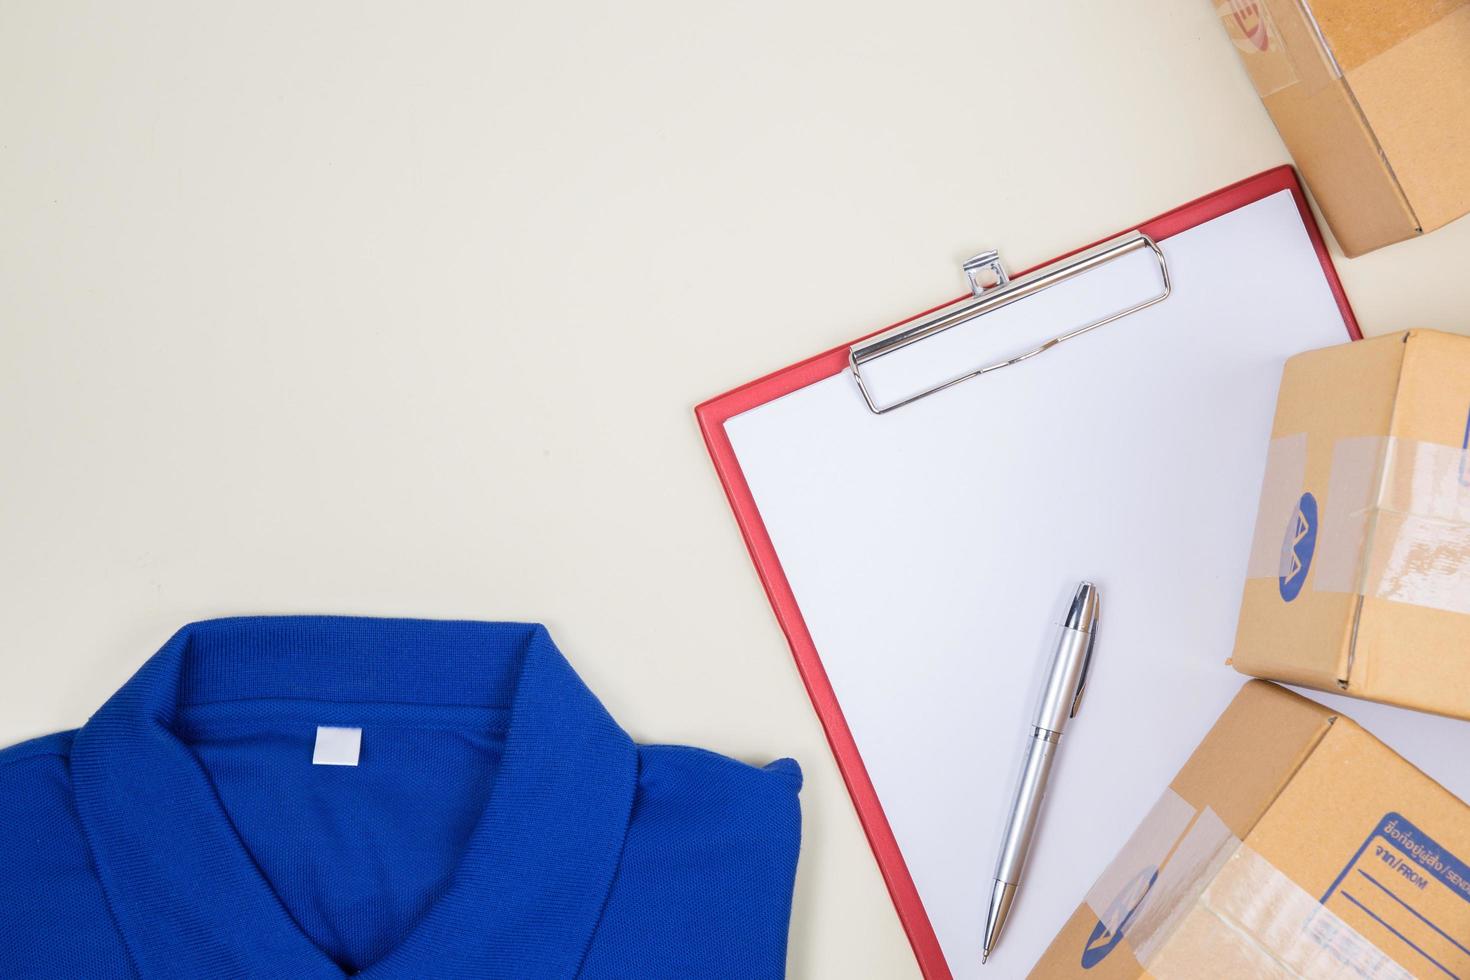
712, 416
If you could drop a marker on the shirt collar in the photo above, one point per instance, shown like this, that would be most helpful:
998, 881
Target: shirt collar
530, 887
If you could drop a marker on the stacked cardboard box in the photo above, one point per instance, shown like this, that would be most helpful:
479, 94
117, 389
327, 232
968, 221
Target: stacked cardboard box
1372, 100
1293, 844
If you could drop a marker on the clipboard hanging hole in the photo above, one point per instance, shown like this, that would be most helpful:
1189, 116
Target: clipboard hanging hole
985, 271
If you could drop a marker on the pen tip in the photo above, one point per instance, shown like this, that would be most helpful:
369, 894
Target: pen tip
984, 956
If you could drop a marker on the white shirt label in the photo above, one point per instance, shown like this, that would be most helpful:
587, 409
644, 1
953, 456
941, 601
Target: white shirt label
337, 746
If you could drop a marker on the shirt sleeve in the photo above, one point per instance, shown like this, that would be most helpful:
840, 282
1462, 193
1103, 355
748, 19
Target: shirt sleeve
54, 922
705, 885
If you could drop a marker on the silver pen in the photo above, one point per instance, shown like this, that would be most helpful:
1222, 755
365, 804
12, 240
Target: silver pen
1065, 680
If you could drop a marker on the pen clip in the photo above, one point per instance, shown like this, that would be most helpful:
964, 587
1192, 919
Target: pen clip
1082, 675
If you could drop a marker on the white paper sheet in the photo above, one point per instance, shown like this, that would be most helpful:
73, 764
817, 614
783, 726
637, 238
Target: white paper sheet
931, 551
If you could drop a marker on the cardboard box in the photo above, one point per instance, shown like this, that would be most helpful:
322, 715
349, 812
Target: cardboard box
1359, 576
1372, 100
1292, 844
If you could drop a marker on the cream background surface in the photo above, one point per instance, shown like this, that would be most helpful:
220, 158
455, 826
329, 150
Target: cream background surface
401, 309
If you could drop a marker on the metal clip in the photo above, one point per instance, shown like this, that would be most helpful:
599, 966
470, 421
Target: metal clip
978, 263
1006, 291
1082, 677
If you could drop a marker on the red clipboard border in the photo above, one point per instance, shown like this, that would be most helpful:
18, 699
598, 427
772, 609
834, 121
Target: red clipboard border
712, 415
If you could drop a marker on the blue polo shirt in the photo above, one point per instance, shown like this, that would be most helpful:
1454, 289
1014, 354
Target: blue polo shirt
497, 823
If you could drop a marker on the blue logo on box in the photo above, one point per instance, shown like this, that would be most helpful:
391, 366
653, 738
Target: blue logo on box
1297, 549
1124, 907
